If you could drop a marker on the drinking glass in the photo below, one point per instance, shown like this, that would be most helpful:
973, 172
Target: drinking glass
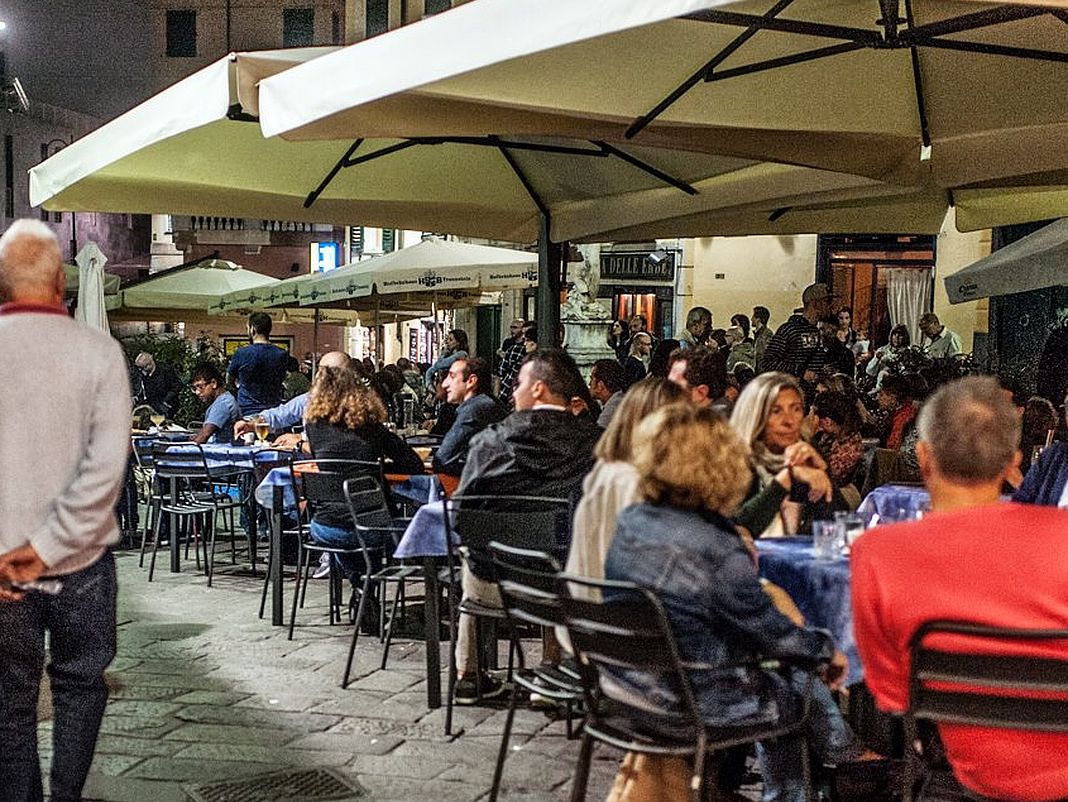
826, 539
157, 419
262, 430
852, 527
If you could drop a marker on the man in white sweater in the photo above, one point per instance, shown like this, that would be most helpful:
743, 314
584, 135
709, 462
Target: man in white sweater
59, 480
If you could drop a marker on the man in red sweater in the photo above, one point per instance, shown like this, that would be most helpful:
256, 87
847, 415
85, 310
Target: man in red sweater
974, 558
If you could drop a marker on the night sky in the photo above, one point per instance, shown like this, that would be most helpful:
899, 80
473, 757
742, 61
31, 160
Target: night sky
86, 55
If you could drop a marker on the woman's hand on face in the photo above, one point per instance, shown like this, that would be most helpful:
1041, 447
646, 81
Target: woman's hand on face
819, 484
802, 454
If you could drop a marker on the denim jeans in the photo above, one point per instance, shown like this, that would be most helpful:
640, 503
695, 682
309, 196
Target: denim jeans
80, 621
352, 565
829, 736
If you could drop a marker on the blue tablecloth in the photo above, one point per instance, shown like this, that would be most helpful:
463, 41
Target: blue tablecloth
224, 455
820, 588
416, 488
425, 535
893, 503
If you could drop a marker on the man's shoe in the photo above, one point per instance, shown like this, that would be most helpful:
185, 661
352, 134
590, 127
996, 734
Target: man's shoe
467, 689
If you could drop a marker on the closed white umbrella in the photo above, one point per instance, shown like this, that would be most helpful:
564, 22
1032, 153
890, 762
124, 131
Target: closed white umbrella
1034, 262
91, 307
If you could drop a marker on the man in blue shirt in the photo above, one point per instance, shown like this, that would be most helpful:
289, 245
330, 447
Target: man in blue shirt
222, 408
258, 369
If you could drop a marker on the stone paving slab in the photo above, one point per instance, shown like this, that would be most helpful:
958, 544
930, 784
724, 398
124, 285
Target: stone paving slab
204, 690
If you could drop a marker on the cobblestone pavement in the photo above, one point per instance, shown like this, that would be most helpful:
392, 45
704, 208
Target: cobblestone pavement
203, 690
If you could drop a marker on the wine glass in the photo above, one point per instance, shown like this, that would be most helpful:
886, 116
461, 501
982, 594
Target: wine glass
157, 419
262, 430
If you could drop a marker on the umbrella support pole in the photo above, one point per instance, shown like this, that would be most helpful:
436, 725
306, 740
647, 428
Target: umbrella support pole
548, 287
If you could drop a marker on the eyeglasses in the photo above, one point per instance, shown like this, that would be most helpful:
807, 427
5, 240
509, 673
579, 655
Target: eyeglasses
200, 385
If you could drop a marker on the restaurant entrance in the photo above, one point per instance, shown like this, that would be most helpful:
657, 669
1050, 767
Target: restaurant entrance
886, 279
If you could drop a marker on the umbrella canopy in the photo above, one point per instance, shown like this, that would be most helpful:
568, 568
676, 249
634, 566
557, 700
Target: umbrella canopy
192, 289
111, 281
91, 308
966, 97
1034, 262
283, 298
195, 149
432, 266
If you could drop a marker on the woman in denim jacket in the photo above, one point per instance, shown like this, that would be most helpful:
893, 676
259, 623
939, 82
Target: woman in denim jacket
679, 543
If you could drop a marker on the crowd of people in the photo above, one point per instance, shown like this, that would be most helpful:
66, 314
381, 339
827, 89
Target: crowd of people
675, 457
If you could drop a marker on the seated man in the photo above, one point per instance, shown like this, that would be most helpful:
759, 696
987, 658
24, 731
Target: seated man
466, 385
702, 374
157, 385
974, 559
222, 406
541, 449
607, 383
291, 413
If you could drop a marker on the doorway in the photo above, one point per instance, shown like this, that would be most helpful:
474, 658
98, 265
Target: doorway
884, 279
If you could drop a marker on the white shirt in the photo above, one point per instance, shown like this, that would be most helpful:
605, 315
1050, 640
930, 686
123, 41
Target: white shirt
1063, 503
946, 344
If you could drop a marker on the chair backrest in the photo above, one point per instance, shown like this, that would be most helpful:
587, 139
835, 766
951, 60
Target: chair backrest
182, 460
626, 630
319, 481
539, 523
527, 580
980, 681
368, 505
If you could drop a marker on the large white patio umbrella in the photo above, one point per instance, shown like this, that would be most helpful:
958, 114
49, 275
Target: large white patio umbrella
950, 94
282, 299
186, 292
432, 267
1034, 262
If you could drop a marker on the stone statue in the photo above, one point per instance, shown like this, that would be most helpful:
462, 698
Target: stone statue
581, 303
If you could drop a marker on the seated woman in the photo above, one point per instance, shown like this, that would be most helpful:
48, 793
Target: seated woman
680, 543
1046, 482
838, 435
612, 484
790, 486
897, 400
344, 421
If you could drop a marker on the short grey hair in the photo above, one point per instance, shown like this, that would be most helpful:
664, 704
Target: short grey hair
697, 314
972, 429
29, 256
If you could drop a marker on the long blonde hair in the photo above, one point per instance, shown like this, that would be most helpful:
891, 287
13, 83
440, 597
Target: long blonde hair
616, 444
339, 397
752, 410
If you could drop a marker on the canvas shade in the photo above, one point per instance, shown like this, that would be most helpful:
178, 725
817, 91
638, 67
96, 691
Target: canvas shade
804, 82
282, 301
1034, 262
431, 266
195, 149
111, 281
192, 289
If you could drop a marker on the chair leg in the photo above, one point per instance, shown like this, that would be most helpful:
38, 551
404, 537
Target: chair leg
267, 583
392, 620
582, 770
806, 769
451, 695
360, 610
155, 543
209, 545
150, 514
302, 556
307, 575
233, 535
697, 780
502, 752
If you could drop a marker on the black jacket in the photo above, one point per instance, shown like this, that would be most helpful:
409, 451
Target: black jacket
537, 452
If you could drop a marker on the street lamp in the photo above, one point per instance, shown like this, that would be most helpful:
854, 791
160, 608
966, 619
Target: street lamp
61, 143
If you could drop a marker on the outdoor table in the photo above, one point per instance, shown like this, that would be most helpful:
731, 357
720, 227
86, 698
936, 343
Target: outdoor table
224, 461
893, 503
424, 539
819, 588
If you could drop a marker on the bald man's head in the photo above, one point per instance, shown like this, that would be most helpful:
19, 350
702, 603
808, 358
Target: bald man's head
334, 359
31, 263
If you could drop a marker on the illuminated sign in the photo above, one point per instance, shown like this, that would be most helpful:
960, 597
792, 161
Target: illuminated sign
324, 256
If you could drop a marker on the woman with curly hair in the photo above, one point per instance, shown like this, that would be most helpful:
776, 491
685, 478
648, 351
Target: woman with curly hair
344, 420
790, 486
680, 543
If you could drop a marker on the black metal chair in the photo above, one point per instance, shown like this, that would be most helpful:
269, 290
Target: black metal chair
145, 481
972, 676
627, 631
529, 591
472, 522
185, 494
317, 482
377, 532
